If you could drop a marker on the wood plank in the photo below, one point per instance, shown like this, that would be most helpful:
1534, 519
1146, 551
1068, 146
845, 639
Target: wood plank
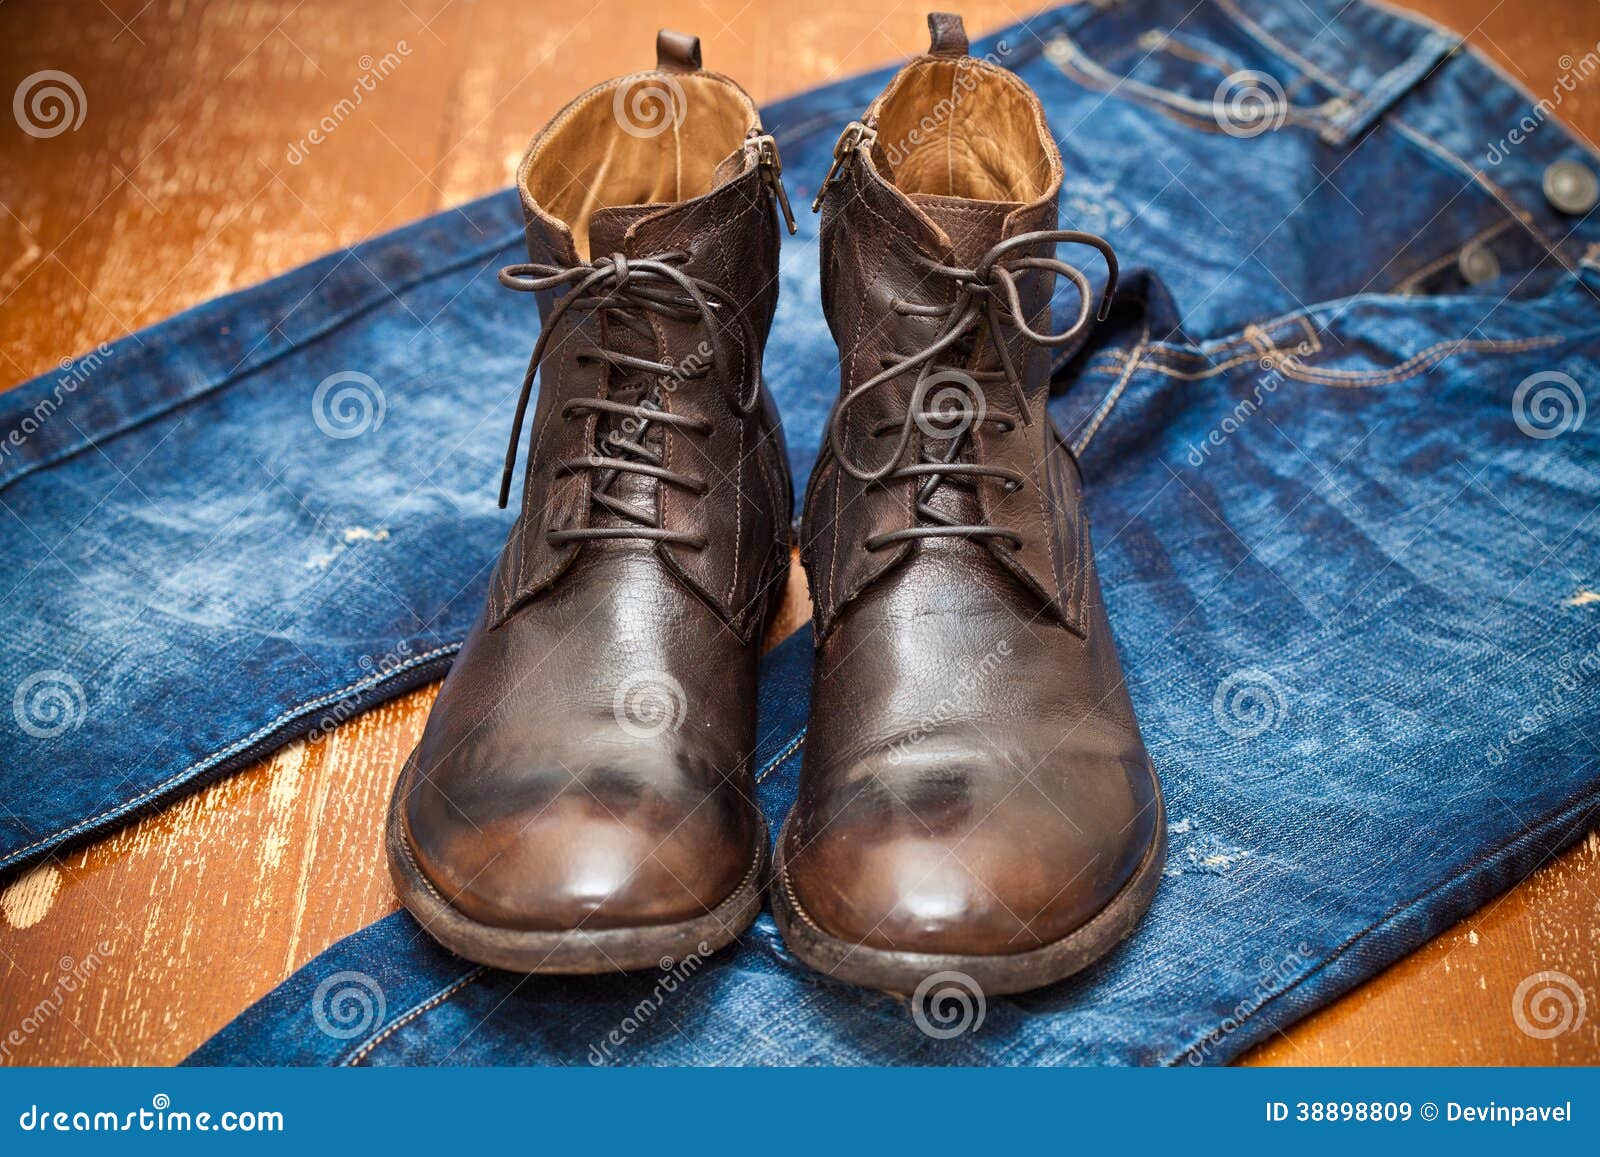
184, 183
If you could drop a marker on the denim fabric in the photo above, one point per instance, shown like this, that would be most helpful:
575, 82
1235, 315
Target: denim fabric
1345, 528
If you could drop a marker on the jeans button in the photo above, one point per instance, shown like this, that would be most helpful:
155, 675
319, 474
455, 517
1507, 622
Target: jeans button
1478, 265
1570, 187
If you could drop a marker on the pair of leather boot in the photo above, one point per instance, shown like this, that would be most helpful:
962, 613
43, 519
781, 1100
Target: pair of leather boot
975, 795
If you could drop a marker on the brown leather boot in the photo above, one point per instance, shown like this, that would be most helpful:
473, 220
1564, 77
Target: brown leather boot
975, 794
582, 798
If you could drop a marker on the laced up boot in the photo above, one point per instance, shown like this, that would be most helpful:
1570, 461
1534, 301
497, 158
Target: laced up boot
582, 797
975, 796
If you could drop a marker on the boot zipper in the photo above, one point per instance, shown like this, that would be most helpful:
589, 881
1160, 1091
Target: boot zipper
772, 176
854, 136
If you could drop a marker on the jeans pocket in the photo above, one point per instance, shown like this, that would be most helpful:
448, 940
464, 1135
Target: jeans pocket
1217, 71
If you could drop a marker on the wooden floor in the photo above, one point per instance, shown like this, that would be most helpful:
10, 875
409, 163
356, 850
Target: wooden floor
179, 186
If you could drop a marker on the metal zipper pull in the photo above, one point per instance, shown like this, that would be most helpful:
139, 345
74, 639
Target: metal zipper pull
855, 134
772, 174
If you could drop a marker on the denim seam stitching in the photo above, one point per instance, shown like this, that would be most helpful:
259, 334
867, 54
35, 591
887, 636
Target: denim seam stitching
217, 756
1386, 92
1422, 360
1272, 44
365, 1049
1247, 340
1408, 284
1108, 403
233, 377
782, 757
1087, 71
1251, 337
1156, 351
1487, 858
1508, 204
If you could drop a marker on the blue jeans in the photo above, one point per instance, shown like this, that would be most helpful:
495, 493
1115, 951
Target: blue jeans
1344, 510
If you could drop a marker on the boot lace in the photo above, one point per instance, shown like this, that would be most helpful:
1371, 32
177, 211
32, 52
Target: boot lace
986, 300
622, 291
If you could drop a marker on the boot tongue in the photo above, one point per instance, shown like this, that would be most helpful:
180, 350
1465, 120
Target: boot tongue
973, 226
609, 226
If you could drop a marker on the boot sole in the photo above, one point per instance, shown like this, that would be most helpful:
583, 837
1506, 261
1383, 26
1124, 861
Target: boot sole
576, 951
994, 975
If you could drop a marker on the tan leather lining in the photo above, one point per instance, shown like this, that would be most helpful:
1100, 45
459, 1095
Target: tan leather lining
960, 127
589, 159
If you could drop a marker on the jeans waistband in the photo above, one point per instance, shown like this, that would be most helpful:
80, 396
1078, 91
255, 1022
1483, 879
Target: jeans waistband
1359, 64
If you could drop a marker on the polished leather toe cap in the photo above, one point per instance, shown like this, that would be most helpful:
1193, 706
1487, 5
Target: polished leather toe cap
554, 852
915, 861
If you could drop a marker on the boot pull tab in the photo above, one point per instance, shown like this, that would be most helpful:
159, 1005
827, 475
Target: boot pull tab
947, 35
677, 51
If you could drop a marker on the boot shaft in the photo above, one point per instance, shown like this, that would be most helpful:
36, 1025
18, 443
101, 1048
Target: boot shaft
653, 252
938, 253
